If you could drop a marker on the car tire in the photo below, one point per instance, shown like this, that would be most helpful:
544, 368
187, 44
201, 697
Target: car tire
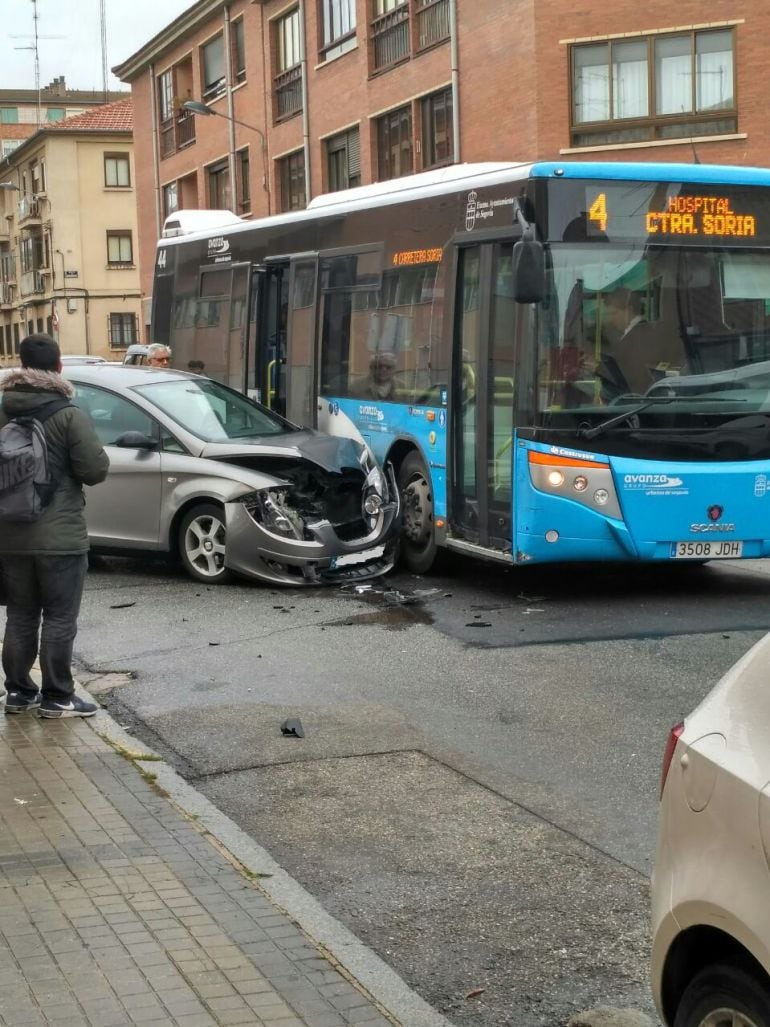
417, 544
202, 540
725, 996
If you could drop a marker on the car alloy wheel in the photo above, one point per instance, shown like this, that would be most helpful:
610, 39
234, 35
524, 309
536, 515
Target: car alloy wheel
202, 544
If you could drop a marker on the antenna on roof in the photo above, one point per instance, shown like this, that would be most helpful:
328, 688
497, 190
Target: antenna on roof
33, 45
103, 23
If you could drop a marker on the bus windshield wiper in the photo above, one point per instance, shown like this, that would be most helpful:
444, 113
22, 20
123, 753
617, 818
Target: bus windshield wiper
603, 426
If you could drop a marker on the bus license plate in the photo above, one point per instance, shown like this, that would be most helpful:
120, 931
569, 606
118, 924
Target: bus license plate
706, 550
348, 558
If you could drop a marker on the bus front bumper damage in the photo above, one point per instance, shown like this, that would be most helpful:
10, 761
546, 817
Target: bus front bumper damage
305, 549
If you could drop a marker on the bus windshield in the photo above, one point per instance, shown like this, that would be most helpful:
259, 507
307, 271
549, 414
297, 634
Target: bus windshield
623, 323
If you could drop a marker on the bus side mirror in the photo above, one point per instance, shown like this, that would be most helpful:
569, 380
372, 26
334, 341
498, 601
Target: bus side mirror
528, 271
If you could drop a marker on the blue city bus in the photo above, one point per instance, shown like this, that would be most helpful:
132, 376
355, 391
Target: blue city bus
562, 361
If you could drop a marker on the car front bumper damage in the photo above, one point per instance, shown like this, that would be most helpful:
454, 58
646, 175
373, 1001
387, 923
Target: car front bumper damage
321, 558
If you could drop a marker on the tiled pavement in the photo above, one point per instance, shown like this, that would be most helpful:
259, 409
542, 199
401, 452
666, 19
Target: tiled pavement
115, 909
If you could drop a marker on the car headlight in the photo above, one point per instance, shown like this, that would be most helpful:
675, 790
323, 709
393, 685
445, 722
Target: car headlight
375, 487
271, 508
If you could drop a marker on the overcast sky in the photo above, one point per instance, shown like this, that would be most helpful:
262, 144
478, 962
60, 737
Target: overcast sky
76, 52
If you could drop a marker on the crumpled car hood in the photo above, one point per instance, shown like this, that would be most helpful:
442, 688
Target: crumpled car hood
329, 452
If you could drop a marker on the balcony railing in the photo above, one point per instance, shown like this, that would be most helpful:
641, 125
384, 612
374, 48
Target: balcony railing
288, 92
32, 282
432, 22
176, 132
390, 36
28, 208
7, 268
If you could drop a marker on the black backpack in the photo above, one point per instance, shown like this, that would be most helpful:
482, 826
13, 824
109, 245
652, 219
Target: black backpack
26, 485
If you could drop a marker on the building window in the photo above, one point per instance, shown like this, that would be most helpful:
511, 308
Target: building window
432, 22
394, 144
9, 115
390, 32
437, 139
288, 80
166, 95
7, 146
117, 170
237, 51
37, 175
120, 249
170, 198
122, 330
339, 26
654, 87
55, 114
219, 186
213, 67
343, 160
292, 172
244, 184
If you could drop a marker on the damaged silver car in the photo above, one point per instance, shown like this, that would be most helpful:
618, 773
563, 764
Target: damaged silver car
201, 470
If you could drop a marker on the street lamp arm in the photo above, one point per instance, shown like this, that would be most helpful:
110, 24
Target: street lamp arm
196, 107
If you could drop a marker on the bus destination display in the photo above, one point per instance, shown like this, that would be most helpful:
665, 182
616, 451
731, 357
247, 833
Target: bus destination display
685, 215
689, 213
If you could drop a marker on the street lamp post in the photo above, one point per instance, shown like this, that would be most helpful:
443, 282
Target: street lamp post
196, 107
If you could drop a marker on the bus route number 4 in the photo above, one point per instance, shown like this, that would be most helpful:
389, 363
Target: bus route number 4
598, 212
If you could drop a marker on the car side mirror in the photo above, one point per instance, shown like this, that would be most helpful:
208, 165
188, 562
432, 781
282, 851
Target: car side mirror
528, 271
135, 440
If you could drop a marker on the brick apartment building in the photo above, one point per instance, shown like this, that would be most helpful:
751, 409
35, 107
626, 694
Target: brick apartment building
317, 95
23, 111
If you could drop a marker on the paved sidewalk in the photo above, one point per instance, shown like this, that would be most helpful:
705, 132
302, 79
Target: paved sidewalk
117, 909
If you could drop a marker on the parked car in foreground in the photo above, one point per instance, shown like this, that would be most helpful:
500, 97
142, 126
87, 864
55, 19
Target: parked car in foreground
199, 469
77, 358
711, 884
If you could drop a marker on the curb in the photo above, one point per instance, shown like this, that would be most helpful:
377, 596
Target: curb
366, 968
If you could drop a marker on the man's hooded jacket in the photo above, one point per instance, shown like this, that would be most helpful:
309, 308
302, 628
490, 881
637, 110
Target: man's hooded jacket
76, 458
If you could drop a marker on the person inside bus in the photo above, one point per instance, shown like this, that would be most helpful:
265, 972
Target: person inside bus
379, 383
625, 364
195, 366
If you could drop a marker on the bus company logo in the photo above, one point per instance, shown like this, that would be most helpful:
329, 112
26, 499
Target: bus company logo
470, 210
334, 408
371, 413
573, 454
760, 486
651, 481
218, 245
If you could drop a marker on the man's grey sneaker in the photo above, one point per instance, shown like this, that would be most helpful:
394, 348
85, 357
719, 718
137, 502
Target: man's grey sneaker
74, 707
15, 702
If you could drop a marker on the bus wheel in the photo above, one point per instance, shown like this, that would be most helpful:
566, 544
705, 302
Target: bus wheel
417, 548
202, 538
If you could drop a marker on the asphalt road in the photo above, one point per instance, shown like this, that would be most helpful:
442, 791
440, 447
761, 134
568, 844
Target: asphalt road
476, 791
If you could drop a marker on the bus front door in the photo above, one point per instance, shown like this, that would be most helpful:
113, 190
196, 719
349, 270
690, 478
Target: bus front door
267, 363
482, 398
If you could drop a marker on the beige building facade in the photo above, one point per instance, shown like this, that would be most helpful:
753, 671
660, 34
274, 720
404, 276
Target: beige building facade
68, 236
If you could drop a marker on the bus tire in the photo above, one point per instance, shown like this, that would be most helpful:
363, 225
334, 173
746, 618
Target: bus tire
417, 545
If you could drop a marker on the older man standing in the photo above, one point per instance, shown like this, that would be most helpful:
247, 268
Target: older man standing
44, 560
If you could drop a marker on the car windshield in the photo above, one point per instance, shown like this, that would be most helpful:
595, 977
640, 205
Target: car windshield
624, 323
211, 411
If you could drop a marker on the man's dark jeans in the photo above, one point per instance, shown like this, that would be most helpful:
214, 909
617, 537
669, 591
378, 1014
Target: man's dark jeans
51, 587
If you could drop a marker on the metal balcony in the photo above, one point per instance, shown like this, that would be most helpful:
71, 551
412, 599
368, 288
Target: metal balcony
32, 282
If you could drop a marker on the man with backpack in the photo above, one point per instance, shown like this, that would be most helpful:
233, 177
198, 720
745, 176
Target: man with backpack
48, 452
